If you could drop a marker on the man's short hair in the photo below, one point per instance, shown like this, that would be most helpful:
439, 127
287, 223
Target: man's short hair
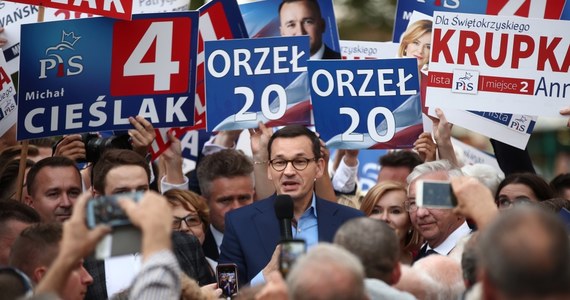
36, 246
227, 163
374, 242
53, 162
9, 177
316, 275
15, 210
315, 4
113, 158
560, 183
293, 131
441, 165
403, 158
526, 252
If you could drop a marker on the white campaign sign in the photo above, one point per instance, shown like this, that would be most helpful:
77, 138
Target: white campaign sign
7, 98
498, 63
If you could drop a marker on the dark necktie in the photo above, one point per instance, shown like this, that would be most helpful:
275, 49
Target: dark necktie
424, 252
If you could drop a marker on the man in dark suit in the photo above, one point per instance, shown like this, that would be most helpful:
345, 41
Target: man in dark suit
252, 232
226, 182
303, 17
122, 171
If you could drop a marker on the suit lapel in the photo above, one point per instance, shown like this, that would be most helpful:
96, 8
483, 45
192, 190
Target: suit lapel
267, 227
327, 222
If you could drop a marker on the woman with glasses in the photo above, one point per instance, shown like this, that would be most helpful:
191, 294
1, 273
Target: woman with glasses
522, 188
386, 201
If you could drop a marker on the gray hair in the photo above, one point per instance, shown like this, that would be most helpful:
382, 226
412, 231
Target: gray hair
327, 272
487, 175
446, 272
441, 165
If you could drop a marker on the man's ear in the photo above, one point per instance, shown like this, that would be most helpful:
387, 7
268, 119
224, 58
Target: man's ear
28, 201
94, 192
39, 273
396, 273
323, 25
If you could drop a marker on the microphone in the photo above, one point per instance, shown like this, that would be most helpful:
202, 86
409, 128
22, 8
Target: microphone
284, 211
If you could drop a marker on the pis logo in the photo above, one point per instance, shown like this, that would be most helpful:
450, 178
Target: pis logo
465, 81
71, 66
444, 3
520, 123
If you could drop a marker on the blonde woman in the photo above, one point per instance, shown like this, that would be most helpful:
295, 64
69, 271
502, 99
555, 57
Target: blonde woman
416, 42
385, 201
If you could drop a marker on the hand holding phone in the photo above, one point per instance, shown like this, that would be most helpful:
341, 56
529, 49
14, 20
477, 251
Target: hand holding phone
435, 194
106, 210
290, 251
227, 279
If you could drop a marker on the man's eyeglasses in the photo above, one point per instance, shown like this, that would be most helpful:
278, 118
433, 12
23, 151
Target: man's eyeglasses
410, 205
299, 163
191, 220
505, 202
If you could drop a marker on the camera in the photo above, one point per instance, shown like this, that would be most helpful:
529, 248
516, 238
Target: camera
227, 279
435, 194
96, 145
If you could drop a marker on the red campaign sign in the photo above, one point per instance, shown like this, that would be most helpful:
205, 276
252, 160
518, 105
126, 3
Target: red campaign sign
208, 31
543, 9
521, 86
150, 56
118, 9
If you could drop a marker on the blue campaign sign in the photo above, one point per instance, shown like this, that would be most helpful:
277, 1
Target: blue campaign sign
366, 104
405, 8
256, 80
93, 74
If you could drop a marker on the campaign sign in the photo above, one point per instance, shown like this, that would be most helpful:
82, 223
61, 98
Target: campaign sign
229, 25
366, 104
7, 98
120, 9
13, 14
93, 74
257, 80
502, 64
405, 8
368, 50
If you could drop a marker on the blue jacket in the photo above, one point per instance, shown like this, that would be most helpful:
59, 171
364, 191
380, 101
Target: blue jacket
252, 233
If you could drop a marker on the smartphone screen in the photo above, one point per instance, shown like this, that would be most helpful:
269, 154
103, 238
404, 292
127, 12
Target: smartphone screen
106, 210
434, 193
227, 279
290, 251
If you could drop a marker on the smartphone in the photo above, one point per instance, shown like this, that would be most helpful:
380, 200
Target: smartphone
227, 279
106, 210
290, 251
435, 194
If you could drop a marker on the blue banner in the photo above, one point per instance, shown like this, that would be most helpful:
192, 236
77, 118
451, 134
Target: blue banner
256, 80
93, 74
405, 8
366, 104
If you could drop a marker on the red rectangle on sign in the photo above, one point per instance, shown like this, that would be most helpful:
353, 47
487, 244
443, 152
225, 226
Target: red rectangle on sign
150, 56
506, 85
439, 79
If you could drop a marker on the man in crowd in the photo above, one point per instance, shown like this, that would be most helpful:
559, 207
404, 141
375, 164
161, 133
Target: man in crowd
440, 228
377, 247
327, 272
14, 217
53, 184
35, 250
525, 254
226, 182
398, 165
303, 17
252, 232
122, 171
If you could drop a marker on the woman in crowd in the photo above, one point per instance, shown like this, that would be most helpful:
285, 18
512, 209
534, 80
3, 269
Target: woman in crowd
416, 42
191, 215
522, 187
385, 201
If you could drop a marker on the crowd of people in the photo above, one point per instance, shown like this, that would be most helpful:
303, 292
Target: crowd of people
506, 238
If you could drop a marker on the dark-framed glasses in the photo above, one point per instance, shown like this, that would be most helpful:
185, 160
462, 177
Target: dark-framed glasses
191, 220
299, 163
